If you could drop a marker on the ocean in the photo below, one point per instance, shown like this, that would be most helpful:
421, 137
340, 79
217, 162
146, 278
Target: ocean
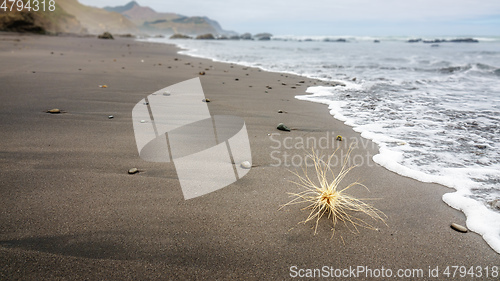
433, 108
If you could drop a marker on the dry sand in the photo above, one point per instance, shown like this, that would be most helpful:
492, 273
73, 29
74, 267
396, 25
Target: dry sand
69, 210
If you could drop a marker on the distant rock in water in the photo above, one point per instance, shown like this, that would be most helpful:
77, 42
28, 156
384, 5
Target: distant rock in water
414, 40
464, 40
179, 36
246, 36
342, 40
376, 41
452, 69
208, 36
263, 36
435, 41
105, 35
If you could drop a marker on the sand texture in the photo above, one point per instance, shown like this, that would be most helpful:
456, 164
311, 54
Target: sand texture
69, 210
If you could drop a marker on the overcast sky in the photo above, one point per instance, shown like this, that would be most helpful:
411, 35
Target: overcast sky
338, 17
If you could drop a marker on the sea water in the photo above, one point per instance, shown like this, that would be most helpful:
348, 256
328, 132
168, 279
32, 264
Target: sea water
433, 109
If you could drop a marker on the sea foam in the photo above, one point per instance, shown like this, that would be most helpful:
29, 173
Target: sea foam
480, 218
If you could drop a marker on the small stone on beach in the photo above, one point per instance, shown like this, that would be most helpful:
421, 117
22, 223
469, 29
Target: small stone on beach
495, 204
283, 127
206, 100
246, 165
202, 72
339, 138
54, 111
338, 83
111, 117
133, 171
459, 228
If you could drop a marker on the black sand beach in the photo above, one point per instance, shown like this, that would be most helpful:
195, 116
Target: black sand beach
70, 211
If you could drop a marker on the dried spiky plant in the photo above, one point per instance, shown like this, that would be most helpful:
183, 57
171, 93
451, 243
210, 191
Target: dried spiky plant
326, 196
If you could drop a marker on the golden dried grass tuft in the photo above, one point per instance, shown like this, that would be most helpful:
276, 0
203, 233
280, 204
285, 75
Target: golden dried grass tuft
325, 196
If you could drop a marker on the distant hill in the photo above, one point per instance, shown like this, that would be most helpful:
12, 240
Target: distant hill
70, 16
139, 14
150, 21
121, 9
97, 20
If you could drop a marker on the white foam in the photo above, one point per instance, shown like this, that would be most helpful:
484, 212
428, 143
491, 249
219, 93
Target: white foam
480, 219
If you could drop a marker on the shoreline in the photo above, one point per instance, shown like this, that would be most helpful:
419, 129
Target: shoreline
71, 206
457, 199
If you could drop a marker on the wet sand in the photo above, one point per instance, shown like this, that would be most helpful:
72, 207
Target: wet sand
70, 210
